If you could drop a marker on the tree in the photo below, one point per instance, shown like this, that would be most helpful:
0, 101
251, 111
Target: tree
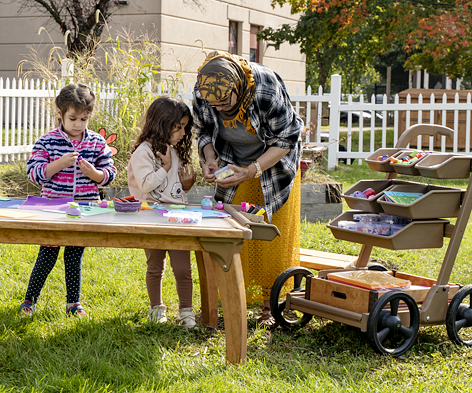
326, 38
434, 34
80, 21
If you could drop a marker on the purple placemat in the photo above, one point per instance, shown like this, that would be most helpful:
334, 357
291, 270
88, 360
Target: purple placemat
38, 203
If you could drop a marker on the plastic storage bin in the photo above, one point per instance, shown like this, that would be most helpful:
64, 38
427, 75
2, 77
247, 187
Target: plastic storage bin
436, 202
183, 217
415, 235
369, 205
382, 166
407, 169
445, 166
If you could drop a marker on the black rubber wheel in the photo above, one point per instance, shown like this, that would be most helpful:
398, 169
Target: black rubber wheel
385, 327
376, 267
459, 317
291, 318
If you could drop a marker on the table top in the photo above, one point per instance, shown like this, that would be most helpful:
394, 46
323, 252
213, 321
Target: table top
142, 222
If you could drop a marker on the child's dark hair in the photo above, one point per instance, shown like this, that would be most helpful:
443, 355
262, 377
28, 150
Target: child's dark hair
77, 96
162, 115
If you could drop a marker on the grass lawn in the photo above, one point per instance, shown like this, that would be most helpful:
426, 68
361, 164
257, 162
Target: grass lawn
116, 349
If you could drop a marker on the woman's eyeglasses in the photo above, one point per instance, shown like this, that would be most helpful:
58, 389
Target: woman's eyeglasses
222, 105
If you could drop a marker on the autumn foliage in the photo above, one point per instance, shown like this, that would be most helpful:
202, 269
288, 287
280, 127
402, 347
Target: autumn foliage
435, 35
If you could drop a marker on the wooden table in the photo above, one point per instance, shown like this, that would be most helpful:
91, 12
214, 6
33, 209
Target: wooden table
217, 243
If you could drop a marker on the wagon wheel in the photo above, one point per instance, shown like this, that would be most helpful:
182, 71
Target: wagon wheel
385, 327
289, 318
459, 317
378, 267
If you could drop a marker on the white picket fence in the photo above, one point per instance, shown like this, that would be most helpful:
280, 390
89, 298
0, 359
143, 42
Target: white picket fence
25, 115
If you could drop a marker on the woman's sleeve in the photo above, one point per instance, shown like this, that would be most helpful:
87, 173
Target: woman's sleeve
284, 125
146, 176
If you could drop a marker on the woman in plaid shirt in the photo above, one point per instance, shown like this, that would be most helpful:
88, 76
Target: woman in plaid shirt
244, 119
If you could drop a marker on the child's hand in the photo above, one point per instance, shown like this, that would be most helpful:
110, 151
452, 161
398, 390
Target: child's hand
187, 177
67, 160
166, 159
58, 165
90, 171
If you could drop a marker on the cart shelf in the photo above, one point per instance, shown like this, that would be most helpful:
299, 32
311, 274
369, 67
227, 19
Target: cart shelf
417, 234
382, 166
445, 166
369, 205
407, 169
436, 202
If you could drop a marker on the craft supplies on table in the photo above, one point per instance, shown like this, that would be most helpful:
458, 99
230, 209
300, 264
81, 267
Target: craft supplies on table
127, 207
207, 203
73, 211
183, 217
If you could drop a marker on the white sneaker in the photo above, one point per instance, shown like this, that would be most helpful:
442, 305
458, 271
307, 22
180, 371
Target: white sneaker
157, 314
187, 317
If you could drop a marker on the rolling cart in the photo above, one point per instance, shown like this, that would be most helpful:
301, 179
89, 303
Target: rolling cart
392, 317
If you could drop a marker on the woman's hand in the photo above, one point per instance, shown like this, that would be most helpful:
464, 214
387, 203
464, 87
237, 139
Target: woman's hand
166, 159
187, 177
240, 176
208, 169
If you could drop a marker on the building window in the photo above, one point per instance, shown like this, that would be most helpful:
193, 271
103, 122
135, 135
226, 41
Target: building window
233, 38
254, 45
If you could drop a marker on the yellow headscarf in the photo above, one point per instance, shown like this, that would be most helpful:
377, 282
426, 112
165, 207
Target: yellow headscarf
219, 76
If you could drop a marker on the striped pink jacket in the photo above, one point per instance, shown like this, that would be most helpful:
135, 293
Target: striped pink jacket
70, 182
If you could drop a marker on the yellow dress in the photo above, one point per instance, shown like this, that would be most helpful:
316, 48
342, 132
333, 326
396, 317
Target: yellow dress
264, 261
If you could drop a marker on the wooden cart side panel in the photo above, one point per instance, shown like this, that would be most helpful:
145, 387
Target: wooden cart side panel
428, 282
346, 297
360, 300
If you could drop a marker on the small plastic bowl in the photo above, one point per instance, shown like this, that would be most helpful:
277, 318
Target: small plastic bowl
127, 207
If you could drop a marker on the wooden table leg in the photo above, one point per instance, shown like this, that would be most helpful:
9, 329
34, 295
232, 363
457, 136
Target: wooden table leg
233, 299
208, 289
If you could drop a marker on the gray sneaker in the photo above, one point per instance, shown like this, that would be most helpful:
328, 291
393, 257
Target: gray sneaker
157, 314
187, 317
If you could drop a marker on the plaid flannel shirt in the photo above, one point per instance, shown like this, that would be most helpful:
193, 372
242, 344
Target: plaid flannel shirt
276, 124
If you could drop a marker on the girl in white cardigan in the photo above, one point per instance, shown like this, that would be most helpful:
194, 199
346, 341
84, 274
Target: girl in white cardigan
159, 170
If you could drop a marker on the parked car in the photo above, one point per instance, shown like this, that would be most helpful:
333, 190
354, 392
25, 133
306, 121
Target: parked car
367, 115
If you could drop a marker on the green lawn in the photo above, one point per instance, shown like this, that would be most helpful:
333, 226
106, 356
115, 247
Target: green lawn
116, 349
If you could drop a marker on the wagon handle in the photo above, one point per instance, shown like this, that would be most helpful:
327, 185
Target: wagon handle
423, 129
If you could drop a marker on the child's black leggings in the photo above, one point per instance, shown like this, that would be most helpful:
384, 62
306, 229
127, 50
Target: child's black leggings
46, 260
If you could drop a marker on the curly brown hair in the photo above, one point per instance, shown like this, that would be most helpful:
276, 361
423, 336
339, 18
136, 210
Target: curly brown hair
161, 117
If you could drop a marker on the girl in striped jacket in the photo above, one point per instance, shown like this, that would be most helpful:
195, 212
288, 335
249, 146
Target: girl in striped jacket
70, 161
